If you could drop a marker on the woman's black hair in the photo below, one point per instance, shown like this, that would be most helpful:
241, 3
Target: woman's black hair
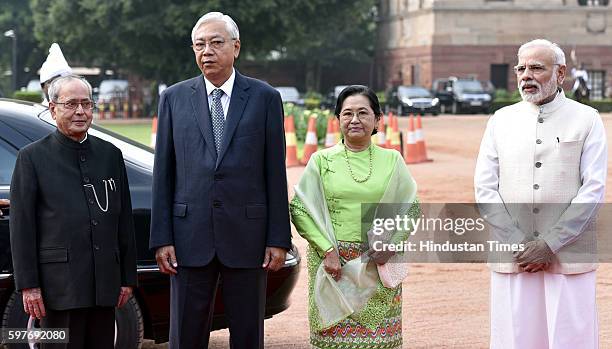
364, 91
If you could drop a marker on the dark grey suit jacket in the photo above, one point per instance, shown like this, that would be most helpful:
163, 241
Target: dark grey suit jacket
232, 204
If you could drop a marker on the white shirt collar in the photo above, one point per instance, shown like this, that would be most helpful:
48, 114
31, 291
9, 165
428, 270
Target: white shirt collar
227, 86
84, 139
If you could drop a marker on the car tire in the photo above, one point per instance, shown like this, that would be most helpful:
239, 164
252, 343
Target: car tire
129, 326
15, 317
128, 322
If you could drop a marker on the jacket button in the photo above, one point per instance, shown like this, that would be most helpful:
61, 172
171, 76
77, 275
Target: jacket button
538, 164
536, 186
83, 158
536, 210
86, 179
91, 202
217, 204
218, 177
535, 233
94, 222
541, 120
538, 141
96, 247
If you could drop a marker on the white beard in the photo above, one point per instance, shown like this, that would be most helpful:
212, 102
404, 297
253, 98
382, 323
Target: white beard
543, 91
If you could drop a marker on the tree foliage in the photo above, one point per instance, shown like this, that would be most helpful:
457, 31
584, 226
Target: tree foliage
16, 15
152, 37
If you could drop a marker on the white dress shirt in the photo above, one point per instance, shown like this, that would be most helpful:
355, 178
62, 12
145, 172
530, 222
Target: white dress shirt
227, 88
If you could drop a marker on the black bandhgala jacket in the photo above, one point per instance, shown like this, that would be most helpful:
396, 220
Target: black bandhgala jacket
72, 231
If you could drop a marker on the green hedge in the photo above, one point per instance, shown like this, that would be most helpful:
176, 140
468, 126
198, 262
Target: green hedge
301, 116
35, 97
603, 105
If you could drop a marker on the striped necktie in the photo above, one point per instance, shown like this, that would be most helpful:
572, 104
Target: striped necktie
218, 121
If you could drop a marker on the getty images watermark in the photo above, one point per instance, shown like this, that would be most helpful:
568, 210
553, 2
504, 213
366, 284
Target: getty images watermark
458, 226
481, 233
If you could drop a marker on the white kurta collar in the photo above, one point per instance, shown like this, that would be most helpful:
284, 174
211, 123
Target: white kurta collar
549, 107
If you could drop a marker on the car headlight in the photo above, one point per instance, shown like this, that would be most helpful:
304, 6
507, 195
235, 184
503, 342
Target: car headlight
435, 102
464, 97
407, 101
487, 98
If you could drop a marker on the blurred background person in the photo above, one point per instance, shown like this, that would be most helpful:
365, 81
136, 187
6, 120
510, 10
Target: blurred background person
52, 68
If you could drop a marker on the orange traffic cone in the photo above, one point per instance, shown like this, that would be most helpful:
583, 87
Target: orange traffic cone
101, 112
153, 132
411, 152
330, 136
291, 159
389, 132
420, 142
337, 133
311, 142
395, 136
380, 137
111, 108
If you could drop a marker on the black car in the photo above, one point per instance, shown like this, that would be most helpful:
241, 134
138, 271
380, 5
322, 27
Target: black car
461, 95
413, 99
147, 312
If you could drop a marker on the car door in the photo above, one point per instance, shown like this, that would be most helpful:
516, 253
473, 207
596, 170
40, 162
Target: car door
8, 155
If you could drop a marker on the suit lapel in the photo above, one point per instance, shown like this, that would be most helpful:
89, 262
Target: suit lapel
238, 101
201, 113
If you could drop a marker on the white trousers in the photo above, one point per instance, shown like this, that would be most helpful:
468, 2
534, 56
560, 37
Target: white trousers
543, 311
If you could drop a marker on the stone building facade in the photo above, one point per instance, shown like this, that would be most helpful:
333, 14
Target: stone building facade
422, 40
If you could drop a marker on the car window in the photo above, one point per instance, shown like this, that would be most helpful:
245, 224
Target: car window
8, 156
467, 86
413, 92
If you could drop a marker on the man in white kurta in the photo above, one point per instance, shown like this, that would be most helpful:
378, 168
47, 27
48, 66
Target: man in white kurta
544, 161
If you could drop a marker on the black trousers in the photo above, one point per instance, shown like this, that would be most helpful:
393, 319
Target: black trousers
88, 327
192, 299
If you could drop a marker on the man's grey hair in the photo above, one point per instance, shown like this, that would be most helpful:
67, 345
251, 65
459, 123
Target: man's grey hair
58, 83
559, 56
230, 25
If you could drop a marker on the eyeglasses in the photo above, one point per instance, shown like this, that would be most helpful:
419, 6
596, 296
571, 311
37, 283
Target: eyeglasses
536, 69
348, 115
214, 44
72, 105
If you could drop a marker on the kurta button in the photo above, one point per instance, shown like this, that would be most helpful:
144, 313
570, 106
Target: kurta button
541, 120
535, 233
218, 177
536, 210
86, 179
91, 201
217, 204
538, 141
536, 186
83, 158
538, 164
96, 247
94, 222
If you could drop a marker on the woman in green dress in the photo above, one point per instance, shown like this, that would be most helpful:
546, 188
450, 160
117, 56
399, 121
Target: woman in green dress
326, 211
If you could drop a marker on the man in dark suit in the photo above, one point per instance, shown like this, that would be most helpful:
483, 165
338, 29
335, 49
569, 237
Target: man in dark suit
219, 191
72, 233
